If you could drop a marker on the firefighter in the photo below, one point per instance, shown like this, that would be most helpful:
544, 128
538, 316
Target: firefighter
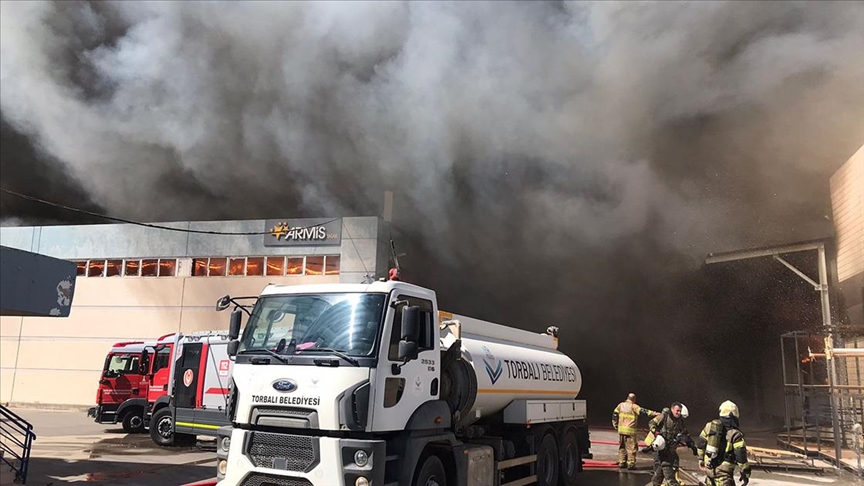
649, 439
673, 431
624, 419
721, 448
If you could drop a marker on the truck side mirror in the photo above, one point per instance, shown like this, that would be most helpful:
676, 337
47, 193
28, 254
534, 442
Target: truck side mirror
411, 323
233, 346
407, 350
223, 303
234, 326
144, 363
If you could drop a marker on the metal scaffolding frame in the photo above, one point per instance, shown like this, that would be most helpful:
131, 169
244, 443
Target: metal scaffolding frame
808, 387
822, 287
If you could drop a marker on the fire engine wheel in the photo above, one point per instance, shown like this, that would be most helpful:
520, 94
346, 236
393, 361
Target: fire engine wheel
133, 422
547, 462
432, 473
570, 458
162, 427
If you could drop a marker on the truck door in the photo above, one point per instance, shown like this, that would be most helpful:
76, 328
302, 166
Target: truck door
120, 377
398, 395
216, 375
159, 372
186, 376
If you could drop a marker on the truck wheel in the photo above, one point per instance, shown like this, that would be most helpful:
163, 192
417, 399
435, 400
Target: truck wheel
133, 421
570, 458
162, 427
547, 462
432, 473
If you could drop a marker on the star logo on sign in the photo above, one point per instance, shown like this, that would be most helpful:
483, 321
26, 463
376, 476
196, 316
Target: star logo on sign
280, 230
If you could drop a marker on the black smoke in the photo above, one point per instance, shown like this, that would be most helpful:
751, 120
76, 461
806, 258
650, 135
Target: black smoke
566, 164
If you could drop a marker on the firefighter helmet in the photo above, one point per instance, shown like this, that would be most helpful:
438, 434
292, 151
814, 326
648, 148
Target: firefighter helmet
659, 443
728, 408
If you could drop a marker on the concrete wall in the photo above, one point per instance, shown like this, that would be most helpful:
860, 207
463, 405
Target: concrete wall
58, 361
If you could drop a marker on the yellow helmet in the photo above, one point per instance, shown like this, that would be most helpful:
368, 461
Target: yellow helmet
728, 408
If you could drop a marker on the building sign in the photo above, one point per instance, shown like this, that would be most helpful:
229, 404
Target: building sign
303, 232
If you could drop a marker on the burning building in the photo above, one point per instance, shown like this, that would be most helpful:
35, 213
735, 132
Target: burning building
138, 282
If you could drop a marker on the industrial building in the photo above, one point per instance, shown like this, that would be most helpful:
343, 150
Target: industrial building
137, 282
847, 206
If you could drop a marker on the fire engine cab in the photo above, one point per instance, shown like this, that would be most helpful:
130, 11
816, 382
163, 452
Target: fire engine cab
123, 387
192, 398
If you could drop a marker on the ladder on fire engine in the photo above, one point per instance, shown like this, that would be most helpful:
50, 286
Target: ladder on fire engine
16, 439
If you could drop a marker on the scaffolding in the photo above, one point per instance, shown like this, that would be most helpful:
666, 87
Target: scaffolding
823, 391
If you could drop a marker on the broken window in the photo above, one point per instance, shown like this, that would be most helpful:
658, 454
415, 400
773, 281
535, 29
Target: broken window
95, 268
236, 266
133, 267
113, 268
149, 268
276, 266
168, 267
315, 265
332, 265
199, 267
255, 266
295, 266
217, 267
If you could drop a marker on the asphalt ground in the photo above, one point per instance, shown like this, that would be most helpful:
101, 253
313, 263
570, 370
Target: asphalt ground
71, 448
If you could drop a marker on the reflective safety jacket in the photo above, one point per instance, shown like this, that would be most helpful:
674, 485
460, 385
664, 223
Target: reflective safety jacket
736, 449
626, 415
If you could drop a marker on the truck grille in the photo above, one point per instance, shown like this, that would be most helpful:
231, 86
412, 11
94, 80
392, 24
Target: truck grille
287, 411
283, 451
258, 479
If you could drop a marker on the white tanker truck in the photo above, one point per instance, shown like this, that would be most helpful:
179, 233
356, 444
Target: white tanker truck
370, 385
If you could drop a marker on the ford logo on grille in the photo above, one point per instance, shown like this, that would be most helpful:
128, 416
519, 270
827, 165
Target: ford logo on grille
284, 385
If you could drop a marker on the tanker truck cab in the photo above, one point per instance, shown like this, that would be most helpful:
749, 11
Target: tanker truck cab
360, 385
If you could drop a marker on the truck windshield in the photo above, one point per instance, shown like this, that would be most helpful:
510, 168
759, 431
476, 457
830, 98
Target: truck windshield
121, 364
290, 324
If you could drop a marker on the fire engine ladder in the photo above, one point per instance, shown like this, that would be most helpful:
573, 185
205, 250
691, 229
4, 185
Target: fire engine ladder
16, 439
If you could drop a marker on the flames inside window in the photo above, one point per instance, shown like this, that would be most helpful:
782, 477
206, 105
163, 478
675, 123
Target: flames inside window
295, 266
315, 265
276, 266
332, 266
150, 268
255, 266
113, 268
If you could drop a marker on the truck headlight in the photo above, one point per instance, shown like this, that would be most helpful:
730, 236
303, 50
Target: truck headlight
361, 458
222, 468
361, 481
225, 444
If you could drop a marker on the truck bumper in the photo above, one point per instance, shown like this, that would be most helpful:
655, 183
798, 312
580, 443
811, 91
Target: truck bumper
266, 458
104, 414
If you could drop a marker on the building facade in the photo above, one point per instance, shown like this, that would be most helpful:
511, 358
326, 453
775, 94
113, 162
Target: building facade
138, 283
847, 205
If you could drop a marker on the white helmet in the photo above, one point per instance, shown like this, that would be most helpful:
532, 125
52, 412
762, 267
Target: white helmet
659, 443
728, 408
684, 412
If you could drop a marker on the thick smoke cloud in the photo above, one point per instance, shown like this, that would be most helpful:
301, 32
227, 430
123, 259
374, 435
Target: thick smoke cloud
559, 163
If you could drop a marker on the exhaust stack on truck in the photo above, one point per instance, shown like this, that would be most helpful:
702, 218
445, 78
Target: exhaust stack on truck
362, 385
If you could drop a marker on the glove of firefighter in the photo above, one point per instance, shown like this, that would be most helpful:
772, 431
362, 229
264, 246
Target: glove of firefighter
745, 478
695, 451
646, 450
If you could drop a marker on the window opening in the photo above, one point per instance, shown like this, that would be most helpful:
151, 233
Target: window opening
149, 268
255, 266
